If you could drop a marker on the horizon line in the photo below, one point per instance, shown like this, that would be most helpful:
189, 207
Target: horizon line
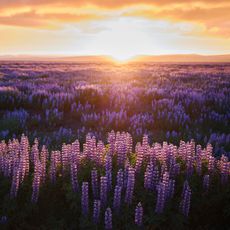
106, 57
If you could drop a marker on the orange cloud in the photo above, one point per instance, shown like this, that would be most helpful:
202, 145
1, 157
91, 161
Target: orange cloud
215, 20
212, 14
46, 21
102, 3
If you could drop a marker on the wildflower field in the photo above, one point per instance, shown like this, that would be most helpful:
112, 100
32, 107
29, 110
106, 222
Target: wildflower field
107, 146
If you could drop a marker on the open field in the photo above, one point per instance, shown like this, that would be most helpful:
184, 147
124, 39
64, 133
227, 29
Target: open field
99, 145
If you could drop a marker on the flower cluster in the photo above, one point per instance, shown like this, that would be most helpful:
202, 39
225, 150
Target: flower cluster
114, 181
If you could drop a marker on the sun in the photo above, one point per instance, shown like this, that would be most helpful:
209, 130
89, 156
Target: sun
121, 39
121, 58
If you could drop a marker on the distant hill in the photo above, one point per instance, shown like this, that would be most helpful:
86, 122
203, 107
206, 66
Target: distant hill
181, 58
55, 58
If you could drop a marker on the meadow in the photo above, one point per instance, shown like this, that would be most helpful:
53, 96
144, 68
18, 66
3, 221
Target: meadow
107, 146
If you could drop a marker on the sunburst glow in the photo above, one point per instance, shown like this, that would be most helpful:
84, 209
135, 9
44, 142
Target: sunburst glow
115, 28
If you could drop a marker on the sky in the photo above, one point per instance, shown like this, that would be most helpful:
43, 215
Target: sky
119, 28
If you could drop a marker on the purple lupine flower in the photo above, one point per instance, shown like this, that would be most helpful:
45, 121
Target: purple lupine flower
225, 172
44, 156
199, 165
96, 211
64, 158
171, 188
161, 197
185, 203
165, 181
103, 190
111, 141
88, 147
100, 152
93, 149
121, 154
108, 219
75, 150
74, 180
171, 161
163, 169
120, 178
189, 166
85, 198
206, 182
109, 180
25, 152
36, 180
34, 151
52, 168
148, 177
24, 158
140, 156
211, 163
55, 161
155, 179
94, 183
108, 163
73, 158
185, 186
15, 182
35, 186
145, 144
130, 186
117, 199
139, 215
209, 150
152, 155
108, 171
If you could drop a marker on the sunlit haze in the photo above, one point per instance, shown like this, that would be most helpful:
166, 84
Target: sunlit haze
121, 29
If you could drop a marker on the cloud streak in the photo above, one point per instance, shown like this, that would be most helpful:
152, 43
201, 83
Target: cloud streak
104, 26
51, 14
215, 20
48, 20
